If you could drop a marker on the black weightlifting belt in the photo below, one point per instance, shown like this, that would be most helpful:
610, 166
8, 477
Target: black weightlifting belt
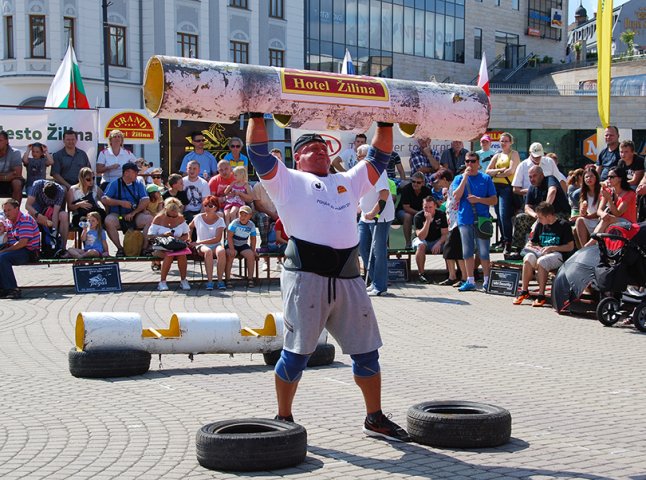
321, 259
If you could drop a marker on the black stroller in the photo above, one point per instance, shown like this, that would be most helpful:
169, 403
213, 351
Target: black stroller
621, 275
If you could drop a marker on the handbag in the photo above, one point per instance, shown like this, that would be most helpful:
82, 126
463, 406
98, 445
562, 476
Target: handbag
169, 244
484, 225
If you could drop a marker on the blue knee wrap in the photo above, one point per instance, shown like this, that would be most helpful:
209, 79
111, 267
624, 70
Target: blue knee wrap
365, 364
290, 366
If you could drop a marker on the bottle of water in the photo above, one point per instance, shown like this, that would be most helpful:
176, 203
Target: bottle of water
205, 174
84, 224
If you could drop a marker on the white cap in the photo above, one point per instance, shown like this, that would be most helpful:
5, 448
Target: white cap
536, 150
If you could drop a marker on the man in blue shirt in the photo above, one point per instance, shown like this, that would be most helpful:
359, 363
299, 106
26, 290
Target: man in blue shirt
205, 159
609, 157
476, 193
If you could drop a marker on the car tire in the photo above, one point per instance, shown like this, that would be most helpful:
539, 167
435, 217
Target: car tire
108, 363
323, 355
251, 444
459, 424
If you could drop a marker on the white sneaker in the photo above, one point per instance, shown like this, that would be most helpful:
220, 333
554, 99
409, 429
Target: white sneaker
162, 287
184, 285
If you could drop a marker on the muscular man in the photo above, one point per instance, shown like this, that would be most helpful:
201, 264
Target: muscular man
320, 281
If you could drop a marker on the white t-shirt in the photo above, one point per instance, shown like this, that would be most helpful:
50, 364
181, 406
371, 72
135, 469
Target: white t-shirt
180, 229
207, 231
521, 178
321, 210
348, 158
368, 201
107, 158
196, 192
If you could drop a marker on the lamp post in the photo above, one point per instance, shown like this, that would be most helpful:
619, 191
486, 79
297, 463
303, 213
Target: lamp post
106, 52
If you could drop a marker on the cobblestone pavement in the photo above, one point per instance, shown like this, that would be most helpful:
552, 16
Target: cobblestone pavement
574, 388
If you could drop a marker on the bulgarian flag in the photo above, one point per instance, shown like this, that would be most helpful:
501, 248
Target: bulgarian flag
67, 89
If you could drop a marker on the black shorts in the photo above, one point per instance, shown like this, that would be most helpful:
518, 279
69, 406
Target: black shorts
6, 190
241, 248
453, 248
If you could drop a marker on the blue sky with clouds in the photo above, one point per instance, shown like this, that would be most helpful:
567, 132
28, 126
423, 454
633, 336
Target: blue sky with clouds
590, 6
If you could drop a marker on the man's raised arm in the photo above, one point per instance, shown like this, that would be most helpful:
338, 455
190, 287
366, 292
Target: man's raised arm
258, 149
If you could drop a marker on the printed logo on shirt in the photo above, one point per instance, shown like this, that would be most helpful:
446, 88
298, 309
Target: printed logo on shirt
318, 186
341, 189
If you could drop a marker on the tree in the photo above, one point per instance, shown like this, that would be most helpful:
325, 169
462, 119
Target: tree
628, 37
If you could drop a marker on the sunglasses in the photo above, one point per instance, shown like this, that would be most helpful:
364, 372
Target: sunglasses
418, 183
156, 176
201, 140
612, 176
470, 161
89, 178
235, 146
211, 205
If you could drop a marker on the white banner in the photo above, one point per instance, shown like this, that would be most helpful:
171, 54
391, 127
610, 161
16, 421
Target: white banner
137, 126
25, 127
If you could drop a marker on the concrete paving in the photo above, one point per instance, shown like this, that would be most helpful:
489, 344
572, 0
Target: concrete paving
574, 388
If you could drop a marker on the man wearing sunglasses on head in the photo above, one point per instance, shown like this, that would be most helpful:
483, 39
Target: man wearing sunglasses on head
200, 155
235, 156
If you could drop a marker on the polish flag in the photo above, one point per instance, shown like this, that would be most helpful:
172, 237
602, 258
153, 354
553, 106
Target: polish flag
483, 76
67, 89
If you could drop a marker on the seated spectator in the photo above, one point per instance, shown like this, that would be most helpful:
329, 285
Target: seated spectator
395, 166
432, 231
206, 161
127, 199
170, 223
618, 204
95, 243
641, 191
176, 189
36, 159
631, 162
156, 201
410, 203
69, 161
440, 182
423, 160
265, 214
11, 181
276, 152
196, 188
574, 182
237, 194
453, 158
536, 157
219, 183
112, 159
588, 217
549, 245
210, 228
235, 157
46, 203
155, 176
22, 246
85, 197
281, 237
239, 232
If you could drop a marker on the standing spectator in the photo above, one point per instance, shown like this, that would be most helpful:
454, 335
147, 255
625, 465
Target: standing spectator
238, 193
11, 181
589, 197
348, 157
549, 244
206, 161
422, 160
176, 189
453, 158
210, 228
485, 153
377, 214
128, 202
502, 169
36, 159
440, 182
23, 245
219, 183
196, 188
235, 157
432, 231
452, 251
476, 193
521, 182
395, 166
609, 157
239, 232
631, 162
46, 203
112, 159
85, 197
69, 161
411, 201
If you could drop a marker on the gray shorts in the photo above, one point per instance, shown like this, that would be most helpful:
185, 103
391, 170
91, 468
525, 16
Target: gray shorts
313, 302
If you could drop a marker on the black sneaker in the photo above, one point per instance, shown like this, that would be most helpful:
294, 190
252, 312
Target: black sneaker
289, 418
422, 279
447, 281
385, 428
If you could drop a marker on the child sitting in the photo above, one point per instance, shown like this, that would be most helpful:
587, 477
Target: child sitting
239, 232
237, 194
36, 160
94, 239
156, 201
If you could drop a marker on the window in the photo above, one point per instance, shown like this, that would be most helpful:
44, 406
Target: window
277, 8
239, 52
117, 45
9, 50
187, 45
477, 43
276, 58
515, 4
37, 38
238, 3
68, 31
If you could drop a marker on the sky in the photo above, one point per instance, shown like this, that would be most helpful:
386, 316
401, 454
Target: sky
590, 6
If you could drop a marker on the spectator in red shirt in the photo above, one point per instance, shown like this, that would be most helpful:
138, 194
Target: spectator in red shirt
219, 183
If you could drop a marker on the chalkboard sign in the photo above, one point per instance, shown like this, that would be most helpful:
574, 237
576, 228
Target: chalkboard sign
504, 281
97, 278
397, 270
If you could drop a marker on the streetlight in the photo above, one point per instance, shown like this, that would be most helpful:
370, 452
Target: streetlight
106, 52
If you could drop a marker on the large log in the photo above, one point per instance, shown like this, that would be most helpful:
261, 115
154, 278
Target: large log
190, 89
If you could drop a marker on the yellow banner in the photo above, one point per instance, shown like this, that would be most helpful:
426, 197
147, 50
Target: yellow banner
604, 52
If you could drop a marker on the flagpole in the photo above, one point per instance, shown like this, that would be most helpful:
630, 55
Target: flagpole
106, 52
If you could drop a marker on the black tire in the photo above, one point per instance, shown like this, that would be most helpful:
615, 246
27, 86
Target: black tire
639, 317
108, 363
251, 444
323, 355
608, 311
459, 424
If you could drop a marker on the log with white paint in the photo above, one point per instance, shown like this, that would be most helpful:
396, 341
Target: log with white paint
190, 89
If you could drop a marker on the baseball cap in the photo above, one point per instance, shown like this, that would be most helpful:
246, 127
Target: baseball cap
536, 150
245, 209
485, 138
307, 138
152, 188
130, 166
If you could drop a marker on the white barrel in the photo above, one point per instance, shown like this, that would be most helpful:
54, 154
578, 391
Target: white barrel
108, 330
191, 89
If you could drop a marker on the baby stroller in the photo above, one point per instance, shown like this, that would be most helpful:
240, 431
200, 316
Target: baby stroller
621, 275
